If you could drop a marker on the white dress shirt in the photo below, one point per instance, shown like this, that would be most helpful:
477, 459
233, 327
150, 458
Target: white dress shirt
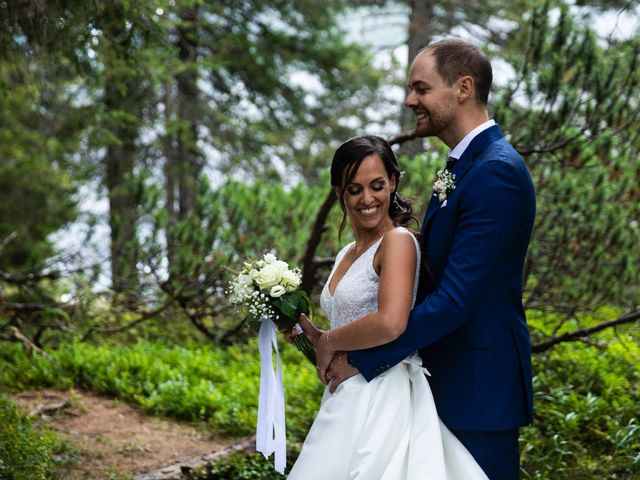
464, 143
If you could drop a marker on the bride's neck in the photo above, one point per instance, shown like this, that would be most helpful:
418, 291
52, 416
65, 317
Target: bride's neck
365, 238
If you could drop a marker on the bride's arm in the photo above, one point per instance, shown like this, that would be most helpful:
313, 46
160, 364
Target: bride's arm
398, 259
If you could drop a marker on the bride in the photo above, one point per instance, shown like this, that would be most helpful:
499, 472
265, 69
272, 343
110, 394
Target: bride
386, 429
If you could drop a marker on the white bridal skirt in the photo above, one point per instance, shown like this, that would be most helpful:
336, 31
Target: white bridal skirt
386, 429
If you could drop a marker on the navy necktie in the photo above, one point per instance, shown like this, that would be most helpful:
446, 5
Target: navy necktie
450, 163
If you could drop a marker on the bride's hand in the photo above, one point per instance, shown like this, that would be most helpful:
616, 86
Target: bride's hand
312, 332
304, 324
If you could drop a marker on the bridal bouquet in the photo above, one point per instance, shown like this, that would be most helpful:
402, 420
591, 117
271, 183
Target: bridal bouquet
268, 289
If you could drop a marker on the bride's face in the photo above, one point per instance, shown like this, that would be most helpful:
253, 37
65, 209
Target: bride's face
368, 194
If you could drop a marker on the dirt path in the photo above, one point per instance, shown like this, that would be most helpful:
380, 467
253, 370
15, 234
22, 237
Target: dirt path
113, 438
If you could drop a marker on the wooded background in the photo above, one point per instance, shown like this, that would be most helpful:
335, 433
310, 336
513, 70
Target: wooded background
158, 144
209, 127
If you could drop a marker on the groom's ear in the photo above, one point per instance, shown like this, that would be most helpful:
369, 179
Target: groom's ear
466, 87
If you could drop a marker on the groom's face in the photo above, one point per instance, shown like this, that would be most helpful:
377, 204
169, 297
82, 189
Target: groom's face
434, 102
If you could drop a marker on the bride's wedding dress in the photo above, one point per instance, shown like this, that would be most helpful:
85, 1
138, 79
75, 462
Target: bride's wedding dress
386, 429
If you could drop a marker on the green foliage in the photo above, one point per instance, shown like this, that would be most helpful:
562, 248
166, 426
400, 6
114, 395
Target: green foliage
35, 187
239, 467
571, 111
25, 453
586, 416
586, 396
218, 386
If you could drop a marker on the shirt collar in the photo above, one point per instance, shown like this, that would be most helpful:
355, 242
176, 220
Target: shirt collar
464, 143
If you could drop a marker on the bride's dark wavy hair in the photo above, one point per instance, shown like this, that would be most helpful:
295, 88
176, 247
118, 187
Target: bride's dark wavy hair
346, 162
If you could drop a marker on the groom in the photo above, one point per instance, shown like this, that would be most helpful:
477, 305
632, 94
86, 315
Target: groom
469, 323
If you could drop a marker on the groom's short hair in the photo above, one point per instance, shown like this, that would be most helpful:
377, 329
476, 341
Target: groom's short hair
456, 58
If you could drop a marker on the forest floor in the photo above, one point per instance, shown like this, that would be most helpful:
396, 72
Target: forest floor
111, 439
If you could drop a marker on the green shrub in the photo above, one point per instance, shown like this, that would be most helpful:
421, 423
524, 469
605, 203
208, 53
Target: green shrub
25, 453
586, 408
586, 396
238, 467
196, 383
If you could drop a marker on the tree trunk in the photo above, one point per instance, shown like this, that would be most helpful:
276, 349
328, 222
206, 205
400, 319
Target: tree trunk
184, 161
190, 158
121, 102
420, 32
122, 212
170, 170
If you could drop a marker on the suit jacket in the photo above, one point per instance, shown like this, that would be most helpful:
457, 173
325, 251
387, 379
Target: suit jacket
471, 329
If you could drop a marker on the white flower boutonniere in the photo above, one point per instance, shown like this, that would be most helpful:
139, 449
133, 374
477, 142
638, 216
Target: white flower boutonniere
444, 185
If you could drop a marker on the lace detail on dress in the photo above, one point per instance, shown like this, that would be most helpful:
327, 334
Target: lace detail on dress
356, 295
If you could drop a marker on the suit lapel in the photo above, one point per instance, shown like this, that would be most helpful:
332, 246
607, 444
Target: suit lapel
478, 145
434, 204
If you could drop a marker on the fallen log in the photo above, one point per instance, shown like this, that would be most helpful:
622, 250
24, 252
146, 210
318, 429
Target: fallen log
175, 471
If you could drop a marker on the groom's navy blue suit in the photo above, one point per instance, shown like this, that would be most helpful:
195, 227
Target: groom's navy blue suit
469, 325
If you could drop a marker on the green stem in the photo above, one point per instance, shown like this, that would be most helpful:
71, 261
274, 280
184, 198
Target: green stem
305, 346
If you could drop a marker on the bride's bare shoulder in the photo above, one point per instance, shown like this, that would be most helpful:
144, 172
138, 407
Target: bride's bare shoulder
397, 240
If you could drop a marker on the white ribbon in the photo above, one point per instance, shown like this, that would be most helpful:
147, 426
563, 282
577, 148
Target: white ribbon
270, 431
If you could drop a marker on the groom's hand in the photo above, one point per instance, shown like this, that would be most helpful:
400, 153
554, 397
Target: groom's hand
339, 370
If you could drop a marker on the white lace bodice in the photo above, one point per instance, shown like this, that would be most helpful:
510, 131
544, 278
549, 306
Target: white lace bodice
356, 295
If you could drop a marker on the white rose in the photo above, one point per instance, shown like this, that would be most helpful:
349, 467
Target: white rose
269, 258
291, 280
268, 276
277, 291
244, 279
253, 273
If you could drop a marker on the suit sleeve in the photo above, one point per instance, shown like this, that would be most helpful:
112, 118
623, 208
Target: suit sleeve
494, 211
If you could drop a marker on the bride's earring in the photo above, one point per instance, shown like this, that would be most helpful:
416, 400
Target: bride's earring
396, 204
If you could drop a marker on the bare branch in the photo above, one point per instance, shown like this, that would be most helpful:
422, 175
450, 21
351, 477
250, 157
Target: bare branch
7, 240
402, 137
50, 407
18, 336
28, 307
143, 317
629, 317
309, 267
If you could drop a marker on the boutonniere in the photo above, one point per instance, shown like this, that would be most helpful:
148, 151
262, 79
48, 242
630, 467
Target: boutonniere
444, 185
